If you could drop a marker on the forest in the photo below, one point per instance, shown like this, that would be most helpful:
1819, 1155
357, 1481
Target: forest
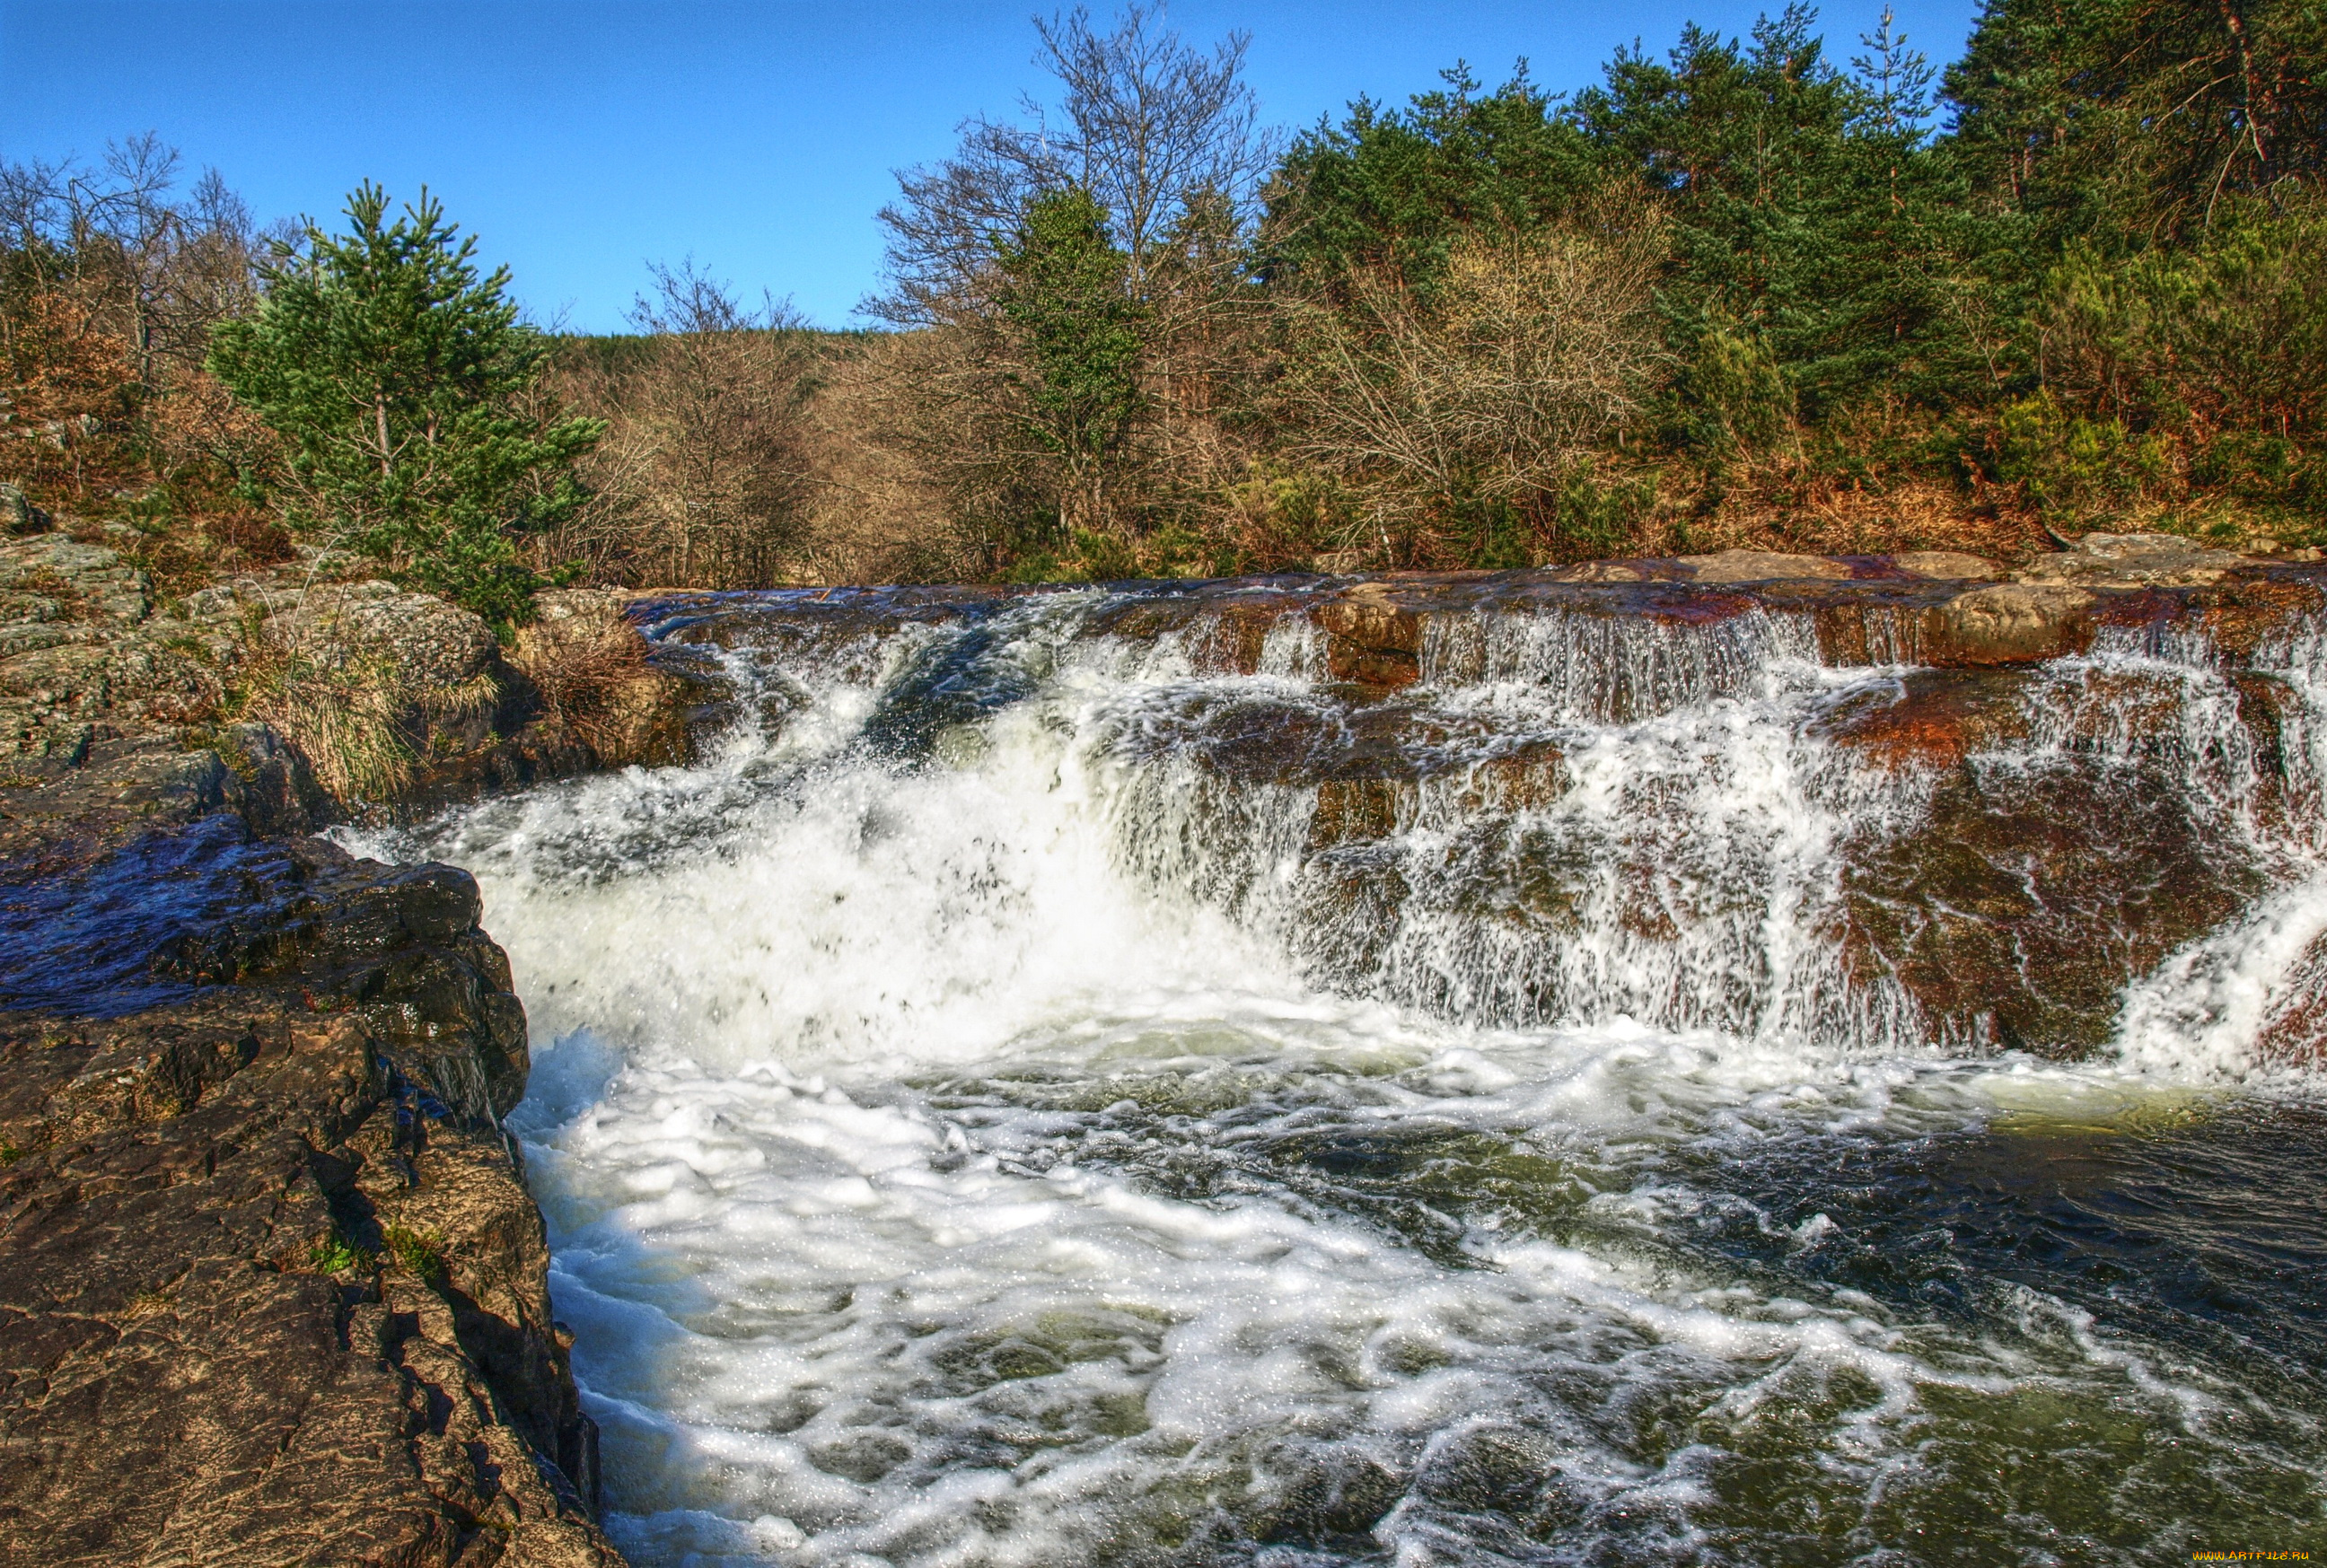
1758, 291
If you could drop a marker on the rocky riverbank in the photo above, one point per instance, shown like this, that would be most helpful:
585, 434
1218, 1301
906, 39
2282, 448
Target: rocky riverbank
272, 1289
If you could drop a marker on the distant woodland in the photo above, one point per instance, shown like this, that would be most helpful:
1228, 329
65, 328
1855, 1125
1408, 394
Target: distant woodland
1766, 290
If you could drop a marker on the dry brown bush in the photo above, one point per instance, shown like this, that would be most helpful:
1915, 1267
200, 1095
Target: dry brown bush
1530, 352
586, 667
701, 479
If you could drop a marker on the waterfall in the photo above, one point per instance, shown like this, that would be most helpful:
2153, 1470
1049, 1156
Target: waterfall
1073, 1078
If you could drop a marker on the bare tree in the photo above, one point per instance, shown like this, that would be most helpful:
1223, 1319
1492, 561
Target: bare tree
1151, 126
701, 476
165, 268
112, 283
1164, 137
1531, 351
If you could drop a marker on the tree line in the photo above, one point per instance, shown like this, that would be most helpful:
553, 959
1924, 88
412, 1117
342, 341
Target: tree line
1745, 291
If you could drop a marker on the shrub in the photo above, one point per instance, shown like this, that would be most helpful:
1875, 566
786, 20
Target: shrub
399, 382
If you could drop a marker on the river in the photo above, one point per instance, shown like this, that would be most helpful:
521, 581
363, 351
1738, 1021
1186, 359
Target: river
1034, 1095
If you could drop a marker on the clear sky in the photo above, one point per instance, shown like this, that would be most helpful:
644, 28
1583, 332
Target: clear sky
578, 139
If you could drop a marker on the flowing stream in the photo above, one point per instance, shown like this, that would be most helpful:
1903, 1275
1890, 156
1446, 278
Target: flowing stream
1032, 1098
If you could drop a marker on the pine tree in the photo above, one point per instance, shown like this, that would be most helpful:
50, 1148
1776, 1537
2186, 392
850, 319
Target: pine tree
399, 380
2133, 123
1065, 291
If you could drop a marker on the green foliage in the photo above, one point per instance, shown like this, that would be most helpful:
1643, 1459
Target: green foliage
417, 1252
332, 1255
399, 380
2132, 123
1594, 514
2075, 467
1731, 398
1286, 513
1105, 557
1399, 187
1064, 290
2228, 332
2192, 370
1810, 205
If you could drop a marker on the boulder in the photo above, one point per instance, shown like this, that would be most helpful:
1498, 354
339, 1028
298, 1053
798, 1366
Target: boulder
1370, 638
2032, 893
19, 516
429, 645
2157, 560
1761, 566
271, 1289
596, 681
1947, 565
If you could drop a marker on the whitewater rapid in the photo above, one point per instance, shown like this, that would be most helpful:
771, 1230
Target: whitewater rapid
971, 1132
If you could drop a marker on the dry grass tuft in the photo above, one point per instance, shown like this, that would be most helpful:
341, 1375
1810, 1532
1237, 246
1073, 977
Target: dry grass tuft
588, 669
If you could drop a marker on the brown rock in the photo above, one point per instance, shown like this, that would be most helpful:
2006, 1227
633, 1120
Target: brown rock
1938, 717
1358, 809
2032, 893
2011, 623
2295, 1025
1947, 565
2157, 560
1761, 566
1371, 639
207, 1355
597, 680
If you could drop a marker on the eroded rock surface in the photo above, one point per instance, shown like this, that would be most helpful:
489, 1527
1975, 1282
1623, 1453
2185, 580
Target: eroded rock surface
272, 1290
90, 655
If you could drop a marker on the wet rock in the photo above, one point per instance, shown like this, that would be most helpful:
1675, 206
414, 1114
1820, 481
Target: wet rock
1370, 638
2032, 891
2295, 1018
2253, 609
2010, 623
1936, 718
1358, 809
271, 1289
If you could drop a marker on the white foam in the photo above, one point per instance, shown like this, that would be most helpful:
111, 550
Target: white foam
906, 1130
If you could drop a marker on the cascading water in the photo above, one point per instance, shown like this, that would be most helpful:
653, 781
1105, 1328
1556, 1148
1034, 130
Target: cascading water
1032, 1098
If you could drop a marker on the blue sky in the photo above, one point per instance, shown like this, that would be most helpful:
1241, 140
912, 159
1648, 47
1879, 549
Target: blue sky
582, 138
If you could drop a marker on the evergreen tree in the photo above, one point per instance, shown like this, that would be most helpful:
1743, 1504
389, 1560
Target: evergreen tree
2131, 121
1065, 291
399, 380
1401, 187
1812, 214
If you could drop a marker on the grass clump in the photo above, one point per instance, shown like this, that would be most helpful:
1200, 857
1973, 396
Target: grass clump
334, 1256
417, 1252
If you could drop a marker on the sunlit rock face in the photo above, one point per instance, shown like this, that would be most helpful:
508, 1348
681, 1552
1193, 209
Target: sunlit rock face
1726, 1060
272, 1289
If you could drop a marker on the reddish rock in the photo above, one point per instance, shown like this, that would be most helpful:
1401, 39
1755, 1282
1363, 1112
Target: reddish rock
1371, 639
2032, 893
1938, 717
2295, 1026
